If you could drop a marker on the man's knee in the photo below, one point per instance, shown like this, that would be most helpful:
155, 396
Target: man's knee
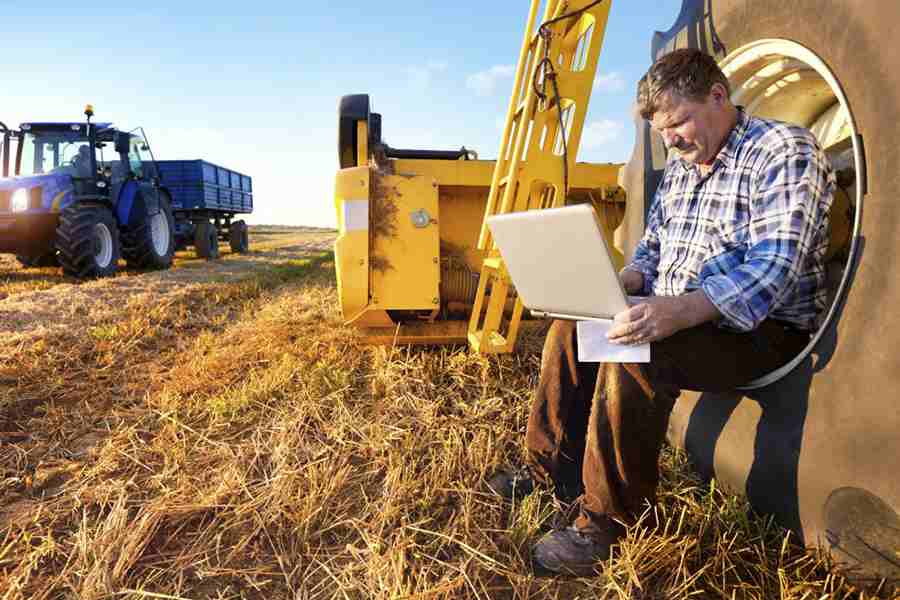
559, 343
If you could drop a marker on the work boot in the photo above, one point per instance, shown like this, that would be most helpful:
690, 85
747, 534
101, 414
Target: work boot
516, 483
511, 484
572, 552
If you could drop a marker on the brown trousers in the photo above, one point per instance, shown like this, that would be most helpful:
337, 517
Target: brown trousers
598, 427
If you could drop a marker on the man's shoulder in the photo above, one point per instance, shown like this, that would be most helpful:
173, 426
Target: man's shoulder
774, 137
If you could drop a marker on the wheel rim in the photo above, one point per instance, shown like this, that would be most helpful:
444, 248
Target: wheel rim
781, 79
104, 245
159, 231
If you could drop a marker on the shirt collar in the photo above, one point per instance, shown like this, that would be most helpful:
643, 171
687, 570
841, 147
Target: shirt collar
728, 154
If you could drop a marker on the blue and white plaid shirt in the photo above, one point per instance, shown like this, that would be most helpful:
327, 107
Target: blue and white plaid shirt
752, 233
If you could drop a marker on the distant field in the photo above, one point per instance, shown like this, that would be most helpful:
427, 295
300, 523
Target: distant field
214, 431
269, 245
290, 229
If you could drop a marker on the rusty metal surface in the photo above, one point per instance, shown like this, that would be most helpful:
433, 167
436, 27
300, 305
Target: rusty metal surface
833, 423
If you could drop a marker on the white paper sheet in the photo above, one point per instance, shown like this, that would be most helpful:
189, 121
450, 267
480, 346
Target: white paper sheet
594, 347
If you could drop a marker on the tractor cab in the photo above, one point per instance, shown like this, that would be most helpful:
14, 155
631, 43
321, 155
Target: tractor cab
89, 153
63, 155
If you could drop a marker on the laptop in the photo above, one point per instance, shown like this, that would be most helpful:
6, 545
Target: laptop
559, 262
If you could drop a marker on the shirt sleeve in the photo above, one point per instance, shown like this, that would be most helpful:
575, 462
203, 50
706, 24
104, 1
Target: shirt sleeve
794, 189
646, 256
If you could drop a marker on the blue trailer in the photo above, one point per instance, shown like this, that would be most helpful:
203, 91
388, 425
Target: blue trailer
83, 195
205, 192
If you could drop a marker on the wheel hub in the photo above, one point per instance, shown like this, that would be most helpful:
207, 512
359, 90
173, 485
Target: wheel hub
103, 245
160, 234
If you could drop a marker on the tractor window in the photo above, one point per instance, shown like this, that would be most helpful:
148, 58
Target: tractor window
139, 155
55, 152
49, 154
74, 158
109, 162
29, 149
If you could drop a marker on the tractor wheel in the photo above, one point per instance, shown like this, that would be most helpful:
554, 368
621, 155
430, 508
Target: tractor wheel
87, 239
150, 242
351, 109
48, 259
206, 240
818, 449
238, 237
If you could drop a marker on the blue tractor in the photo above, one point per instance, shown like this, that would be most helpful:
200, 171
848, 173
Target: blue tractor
84, 195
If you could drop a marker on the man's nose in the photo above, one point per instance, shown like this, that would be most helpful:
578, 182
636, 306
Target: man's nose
673, 140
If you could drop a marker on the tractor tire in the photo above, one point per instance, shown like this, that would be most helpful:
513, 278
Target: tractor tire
150, 242
817, 449
48, 259
351, 109
238, 237
206, 240
87, 239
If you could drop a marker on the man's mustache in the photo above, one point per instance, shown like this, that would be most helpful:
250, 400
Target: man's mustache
681, 146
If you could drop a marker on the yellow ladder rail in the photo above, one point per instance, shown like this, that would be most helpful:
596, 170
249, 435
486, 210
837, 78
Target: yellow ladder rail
531, 168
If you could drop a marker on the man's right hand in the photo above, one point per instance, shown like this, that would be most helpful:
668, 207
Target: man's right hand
632, 281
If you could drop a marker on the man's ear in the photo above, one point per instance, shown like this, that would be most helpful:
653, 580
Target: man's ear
719, 94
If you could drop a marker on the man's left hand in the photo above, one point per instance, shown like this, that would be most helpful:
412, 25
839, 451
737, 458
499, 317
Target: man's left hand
658, 317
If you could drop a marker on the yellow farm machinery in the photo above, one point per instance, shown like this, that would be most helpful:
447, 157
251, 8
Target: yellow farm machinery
814, 443
415, 262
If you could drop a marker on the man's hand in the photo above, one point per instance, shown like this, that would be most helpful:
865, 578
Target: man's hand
632, 281
658, 317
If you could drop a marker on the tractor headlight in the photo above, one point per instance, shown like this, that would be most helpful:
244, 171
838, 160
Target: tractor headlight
19, 201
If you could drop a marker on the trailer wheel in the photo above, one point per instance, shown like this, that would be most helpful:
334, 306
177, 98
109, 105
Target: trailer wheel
48, 259
206, 240
238, 237
150, 242
87, 239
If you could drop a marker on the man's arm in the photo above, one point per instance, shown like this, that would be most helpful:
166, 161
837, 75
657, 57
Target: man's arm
632, 281
787, 213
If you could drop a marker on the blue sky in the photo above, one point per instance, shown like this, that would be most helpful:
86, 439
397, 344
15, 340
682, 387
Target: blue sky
254, 86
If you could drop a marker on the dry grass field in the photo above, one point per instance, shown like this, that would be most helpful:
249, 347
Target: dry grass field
213, 431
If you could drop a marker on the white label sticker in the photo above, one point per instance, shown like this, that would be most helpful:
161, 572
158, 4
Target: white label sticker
356, 215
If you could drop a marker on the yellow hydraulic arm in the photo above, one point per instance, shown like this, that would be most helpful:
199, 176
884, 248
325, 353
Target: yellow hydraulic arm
547, 109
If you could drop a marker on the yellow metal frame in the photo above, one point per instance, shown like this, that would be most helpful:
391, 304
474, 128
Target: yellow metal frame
529, 173
351, 249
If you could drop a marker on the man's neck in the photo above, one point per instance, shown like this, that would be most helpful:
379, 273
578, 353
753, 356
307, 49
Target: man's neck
727, 128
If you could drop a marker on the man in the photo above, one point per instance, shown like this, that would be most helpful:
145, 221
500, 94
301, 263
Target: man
732, 263
81, 162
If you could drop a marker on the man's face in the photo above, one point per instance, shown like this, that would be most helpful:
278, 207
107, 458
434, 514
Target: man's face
695, 129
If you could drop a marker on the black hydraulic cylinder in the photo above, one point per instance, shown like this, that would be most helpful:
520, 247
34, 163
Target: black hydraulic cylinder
426, 154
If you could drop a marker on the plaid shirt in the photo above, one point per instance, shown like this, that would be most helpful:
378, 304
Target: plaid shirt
752, 233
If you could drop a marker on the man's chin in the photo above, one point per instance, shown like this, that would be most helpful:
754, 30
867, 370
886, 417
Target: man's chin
691, 156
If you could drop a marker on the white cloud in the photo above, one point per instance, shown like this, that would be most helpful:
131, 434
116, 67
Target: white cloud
599, 133
484, 83
612, 82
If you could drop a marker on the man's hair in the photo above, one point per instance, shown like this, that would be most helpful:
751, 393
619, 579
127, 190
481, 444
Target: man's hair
689, 73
